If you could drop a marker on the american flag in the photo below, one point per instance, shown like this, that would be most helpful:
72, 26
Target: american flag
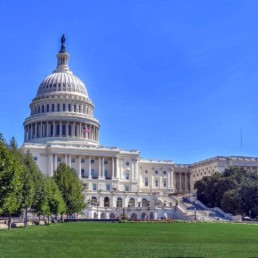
85, 130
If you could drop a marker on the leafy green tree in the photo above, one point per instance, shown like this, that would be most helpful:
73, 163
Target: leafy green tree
10, 183
29, 177
55, 200
71, 188
231, 201
235, 190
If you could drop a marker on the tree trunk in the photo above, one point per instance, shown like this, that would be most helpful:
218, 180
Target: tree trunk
62, 219
39, 219
48, 219
10, 222
26, 218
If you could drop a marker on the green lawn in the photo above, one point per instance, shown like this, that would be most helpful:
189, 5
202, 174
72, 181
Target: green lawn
131, 240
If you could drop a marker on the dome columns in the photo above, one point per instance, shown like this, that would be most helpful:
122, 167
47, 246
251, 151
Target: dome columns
61, 129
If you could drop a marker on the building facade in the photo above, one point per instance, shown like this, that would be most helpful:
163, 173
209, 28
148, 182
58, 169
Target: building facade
62, 128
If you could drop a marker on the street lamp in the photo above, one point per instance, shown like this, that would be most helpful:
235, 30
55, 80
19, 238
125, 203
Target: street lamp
97, 210
148, 209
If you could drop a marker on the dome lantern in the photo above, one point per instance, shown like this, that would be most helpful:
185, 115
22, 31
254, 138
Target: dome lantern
62, 58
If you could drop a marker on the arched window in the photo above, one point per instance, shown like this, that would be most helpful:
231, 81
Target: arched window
146, 181
94, 201
106, 202
144, 202
131, 202
119, 202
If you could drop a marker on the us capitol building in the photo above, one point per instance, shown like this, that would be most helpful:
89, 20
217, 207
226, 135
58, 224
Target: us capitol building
62, 128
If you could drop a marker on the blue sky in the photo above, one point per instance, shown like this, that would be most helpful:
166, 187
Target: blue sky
176, 80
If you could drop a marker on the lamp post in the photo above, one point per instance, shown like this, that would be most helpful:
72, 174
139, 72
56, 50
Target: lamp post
97, 210
148, 209
194, 211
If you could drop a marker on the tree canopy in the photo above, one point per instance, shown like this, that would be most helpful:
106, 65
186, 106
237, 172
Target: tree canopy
23, 187
71, 188
234, 191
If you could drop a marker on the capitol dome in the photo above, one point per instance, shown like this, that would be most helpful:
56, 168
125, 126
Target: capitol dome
61, 81
62, 110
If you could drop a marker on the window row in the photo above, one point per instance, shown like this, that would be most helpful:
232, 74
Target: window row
121, 203
156, 182
157, 172
83, 109
94, 174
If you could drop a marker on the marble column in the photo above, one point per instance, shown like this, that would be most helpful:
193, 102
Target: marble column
113, 168
80, 167
55, 162
89, 166
100, 174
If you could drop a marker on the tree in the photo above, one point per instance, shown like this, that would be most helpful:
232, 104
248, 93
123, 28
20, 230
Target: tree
55, 200
29, 177
235, 190
71, 189
10, 183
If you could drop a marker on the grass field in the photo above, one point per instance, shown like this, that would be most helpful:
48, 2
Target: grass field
131, 240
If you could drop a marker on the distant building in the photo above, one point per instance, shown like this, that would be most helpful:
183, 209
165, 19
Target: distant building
62, 128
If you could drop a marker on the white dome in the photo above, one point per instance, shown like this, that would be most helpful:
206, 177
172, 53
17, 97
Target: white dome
62, 110
61, 82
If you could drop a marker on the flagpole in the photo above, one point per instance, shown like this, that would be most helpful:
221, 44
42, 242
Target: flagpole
241, 141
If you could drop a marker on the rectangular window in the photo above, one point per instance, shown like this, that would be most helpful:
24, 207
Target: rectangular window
58, 107
63, 130
92, 172
156, 183
51, 130
63, 107
127, 163
105, 162
108, 187
156, 172
94, 187
73, 160
35, 158
164, 172
53, 107
82, 173
42, 109
92, 161
69, 130
126, 188
106, 173
47, 107
69, 107
127, 176
74, 108
83, 161
59, 159
57, 129
164, 183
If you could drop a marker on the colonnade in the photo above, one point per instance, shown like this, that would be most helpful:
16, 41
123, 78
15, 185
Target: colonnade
183, 182
61, 129
87, 165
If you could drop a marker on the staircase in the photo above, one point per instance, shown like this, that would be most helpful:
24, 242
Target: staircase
190, 209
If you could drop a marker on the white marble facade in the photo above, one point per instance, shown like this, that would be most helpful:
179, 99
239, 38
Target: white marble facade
62, 128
